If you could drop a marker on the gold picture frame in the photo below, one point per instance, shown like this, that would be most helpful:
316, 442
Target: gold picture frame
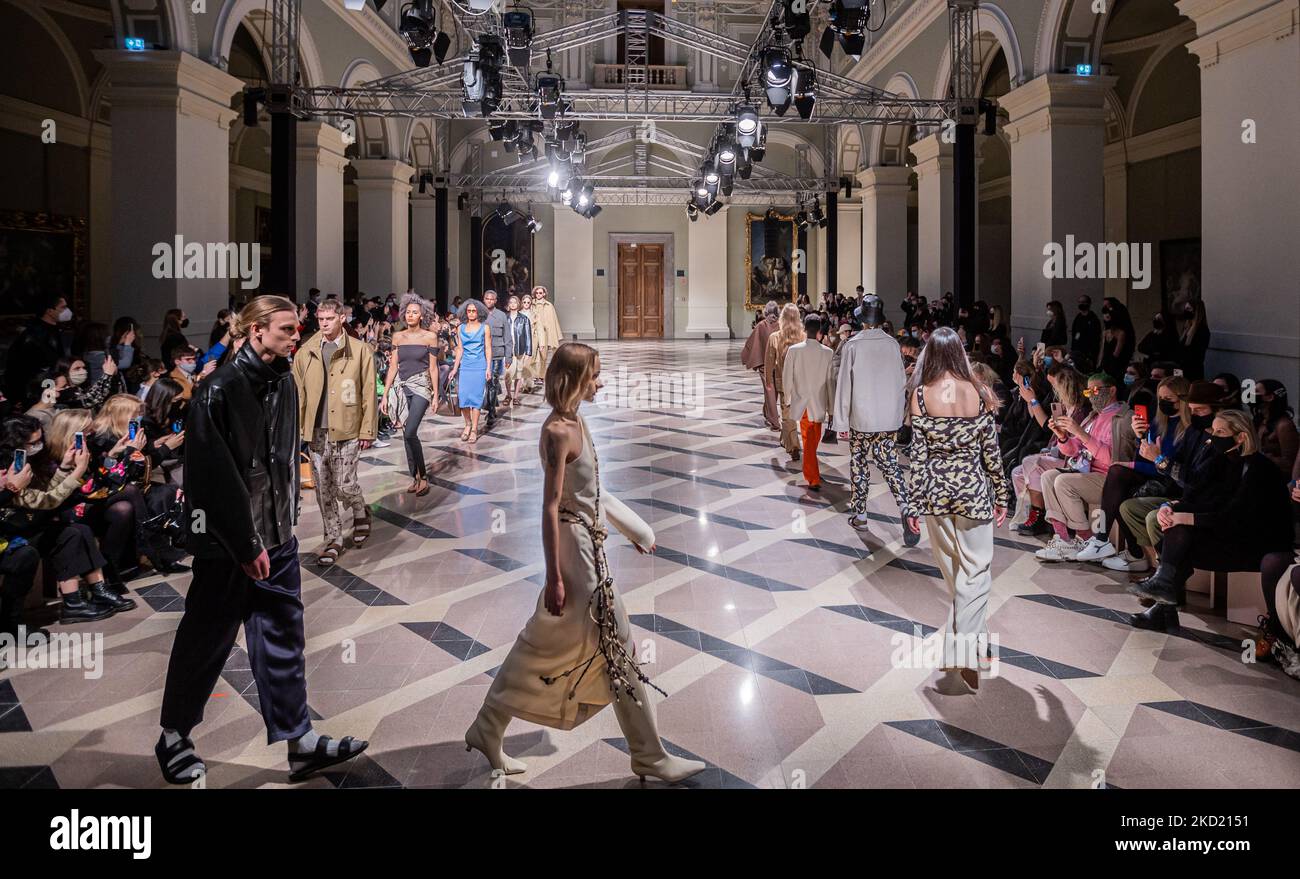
40, 251
763, 281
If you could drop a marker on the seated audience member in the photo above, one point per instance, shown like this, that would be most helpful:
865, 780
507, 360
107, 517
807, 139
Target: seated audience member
1067, 393
1275, 424
18, 558
144, 374
1234, 511
73, 386
1070, 494
184, 373
1280, 579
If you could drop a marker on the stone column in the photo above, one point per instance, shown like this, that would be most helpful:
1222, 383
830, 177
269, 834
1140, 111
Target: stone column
171, 178
101, 224
934, 191
1250, 191
884, 231
575, 271
383, 191
1057, 132
424, 258
706, 277
320, 207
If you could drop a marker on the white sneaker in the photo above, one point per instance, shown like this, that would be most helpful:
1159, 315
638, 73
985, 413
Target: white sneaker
1095, 550
1127, 563
380, 443
1059, 550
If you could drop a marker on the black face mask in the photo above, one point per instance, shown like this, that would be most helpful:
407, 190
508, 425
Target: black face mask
1084, 308
185, 323
1223, 444
1169, 408
1202, 422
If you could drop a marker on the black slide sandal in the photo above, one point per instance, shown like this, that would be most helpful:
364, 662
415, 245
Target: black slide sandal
178, 771
320, 758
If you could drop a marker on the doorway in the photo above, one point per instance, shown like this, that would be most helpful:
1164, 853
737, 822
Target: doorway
640, 277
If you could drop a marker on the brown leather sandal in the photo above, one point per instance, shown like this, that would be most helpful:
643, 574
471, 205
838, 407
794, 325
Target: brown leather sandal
329, 555
361, 530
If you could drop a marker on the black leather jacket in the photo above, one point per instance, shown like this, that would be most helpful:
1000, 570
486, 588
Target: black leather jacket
241, 459
523, 334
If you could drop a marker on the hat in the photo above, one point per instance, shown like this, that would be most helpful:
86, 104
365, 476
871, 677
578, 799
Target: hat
1203, 393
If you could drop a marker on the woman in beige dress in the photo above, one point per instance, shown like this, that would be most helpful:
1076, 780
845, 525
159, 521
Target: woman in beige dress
575, 655
790, 332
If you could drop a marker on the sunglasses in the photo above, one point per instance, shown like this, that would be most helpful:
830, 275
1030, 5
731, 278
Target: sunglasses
1094, 392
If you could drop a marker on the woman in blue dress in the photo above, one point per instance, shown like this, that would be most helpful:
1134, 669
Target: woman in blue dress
472, 370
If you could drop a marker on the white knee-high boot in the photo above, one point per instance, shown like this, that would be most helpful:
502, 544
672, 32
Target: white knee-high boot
642, 733
486, 734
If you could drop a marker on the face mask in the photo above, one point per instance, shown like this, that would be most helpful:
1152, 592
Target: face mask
997, 351
1202, 422
1130, 379
1223, 444
185, 323
78, 376
1083, 307
1099, 401
1048, 361
35, 449
187, 367
65, 315
1168, 408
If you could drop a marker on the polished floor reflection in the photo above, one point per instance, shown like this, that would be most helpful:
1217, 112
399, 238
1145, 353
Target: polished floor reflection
782, 635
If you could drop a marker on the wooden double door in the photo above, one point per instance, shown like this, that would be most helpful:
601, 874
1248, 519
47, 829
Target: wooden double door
641, 291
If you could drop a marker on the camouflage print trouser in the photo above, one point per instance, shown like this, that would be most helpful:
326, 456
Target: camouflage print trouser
877, 448
334, 467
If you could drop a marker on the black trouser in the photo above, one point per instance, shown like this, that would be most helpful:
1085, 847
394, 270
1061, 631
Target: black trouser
70, 549
1120, 484
221, 598
18, 565
1188, 547
116, 522
416, 406
1271, 570
492, 393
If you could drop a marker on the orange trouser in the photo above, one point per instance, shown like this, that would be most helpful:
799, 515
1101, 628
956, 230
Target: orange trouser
811, 431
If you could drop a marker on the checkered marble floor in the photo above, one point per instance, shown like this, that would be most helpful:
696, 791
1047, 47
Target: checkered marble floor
773, 626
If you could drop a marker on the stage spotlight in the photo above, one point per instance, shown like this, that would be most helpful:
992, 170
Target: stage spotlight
701, 191
816, 216
251, 99
502, 130
748, 128
848, 28
744, 167
692, 212
534, 224
508, 215
805, 94
757, 153
423, 38
579, 152
778, 78
713, 208
566, 194
426, 180
710, 174
518, 27
586, 195
550, 90
726, 156
797, 24
481, 77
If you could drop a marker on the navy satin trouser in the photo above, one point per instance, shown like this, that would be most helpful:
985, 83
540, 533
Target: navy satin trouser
221, 598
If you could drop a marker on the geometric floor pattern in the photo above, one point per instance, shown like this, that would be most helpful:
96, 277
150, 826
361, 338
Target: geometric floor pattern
774, 627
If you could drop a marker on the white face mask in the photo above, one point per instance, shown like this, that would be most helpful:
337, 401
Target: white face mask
78, 376
187, 366
35, 449
65, 315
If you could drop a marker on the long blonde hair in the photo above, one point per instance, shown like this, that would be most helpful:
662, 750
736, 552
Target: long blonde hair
791, 325
65, 424
566, 379
1239, 422
116, 415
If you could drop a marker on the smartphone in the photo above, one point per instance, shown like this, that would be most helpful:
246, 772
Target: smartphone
1058, 409
133, 429
78, 441
1141, 413
177, 426
20, 461
1025, 379
1040, 347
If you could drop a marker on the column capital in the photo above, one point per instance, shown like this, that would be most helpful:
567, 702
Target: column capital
1056, 99
383, 173
1225, 26
426, 202
932, 154
322, 144
885, 177
173, 80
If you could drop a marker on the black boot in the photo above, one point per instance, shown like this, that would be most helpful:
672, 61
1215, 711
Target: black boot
107, 595
1162, 586
76, 609
909, 538
1157, 618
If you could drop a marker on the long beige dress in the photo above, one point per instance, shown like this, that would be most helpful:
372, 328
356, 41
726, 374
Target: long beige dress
550, 645
547, 335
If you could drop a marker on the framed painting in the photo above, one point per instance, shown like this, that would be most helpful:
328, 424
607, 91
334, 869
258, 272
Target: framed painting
771, 240
40, 253
507, 257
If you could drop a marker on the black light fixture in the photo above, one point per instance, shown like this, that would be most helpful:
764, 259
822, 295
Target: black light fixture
805, 92
481, 77
713, 208
507, 213
549, 87
778, 78
426, 180
252, 97
518, 27
462, 200
748, 128
797, 18
502, 130
534, 224
816, 216
801, 218
848, 27
422, 36
692, 212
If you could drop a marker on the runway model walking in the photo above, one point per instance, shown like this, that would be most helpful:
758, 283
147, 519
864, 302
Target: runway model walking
411, 384
957, 483
575, 654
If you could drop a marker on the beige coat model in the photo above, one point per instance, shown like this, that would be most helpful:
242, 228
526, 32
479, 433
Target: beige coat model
550, 645
547, 335
353, 401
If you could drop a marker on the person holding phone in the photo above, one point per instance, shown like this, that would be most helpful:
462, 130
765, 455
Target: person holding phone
241, 498
18, 558
1067, 386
